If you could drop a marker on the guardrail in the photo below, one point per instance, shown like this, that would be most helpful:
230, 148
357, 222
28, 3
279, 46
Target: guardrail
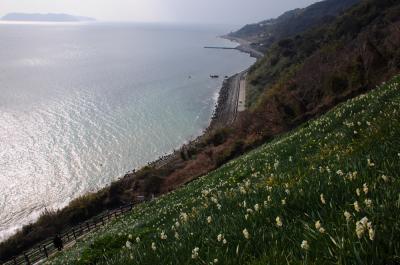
46, 248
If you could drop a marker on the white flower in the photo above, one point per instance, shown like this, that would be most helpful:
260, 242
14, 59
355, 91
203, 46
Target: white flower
247, 183
128, 244
215, 261
370, 164
357, 206
368, 203
359, 230
257, 207
137, 239
184, 217
219, 206
365, 188
163, 236
371, 233
246, 233
269, 199
195, 253
385, 178
347, 215
209, 219
176, 235
242, 190
319, 227
153, 246
358, 192
304, 245
283, 202
322, 198
362, 226
339, 172
278, 222
276, 164
220, 237
130, 236
224, 241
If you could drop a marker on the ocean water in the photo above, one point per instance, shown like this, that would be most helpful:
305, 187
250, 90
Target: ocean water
82, 104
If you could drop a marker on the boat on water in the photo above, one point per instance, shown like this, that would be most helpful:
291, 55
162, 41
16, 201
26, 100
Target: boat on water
214, 76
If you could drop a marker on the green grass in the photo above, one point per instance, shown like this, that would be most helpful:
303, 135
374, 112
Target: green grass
351, 154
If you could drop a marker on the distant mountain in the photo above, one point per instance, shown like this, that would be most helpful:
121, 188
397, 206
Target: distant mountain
292, 22
45, 17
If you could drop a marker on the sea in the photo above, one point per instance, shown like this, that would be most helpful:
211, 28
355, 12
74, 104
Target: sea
81, 104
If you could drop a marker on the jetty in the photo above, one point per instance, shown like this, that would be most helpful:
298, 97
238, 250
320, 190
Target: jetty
219, 47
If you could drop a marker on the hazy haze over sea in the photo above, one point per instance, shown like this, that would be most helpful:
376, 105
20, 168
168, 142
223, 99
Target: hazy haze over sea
80, 105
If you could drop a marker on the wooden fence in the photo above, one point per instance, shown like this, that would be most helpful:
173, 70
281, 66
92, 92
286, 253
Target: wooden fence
46, 248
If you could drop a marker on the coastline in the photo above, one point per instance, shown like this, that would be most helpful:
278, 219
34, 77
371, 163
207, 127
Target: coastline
244, 46
225, 111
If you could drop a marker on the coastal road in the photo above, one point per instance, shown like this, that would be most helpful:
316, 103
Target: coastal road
242, 94
232, 100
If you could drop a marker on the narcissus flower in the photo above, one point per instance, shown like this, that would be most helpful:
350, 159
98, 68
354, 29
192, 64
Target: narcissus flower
246, 233
195, 253
357, 206
322, 198
304, 245
278, 222
347, 215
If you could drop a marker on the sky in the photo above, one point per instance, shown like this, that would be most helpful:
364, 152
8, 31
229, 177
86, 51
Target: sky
231, 12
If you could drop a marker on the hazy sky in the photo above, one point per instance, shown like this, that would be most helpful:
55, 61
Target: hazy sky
190, 11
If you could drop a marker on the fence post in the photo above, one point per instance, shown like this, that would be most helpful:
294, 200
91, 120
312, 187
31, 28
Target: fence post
27, 259
102, 220
73, 232
15, 260
87, 225
45, 251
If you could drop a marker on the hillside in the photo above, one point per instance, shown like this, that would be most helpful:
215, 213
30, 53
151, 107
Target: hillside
326, 193
44, 17
315, 69
293, 22
300, 78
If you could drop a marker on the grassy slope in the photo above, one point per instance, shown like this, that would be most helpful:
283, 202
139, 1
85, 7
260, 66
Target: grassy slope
327, 156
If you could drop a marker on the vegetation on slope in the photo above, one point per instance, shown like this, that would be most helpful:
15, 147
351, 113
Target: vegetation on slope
326, 193
347, 55
265, 33
299, 78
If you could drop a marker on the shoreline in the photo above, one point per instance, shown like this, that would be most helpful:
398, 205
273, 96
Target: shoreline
224, 113
244, 46
225, 110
